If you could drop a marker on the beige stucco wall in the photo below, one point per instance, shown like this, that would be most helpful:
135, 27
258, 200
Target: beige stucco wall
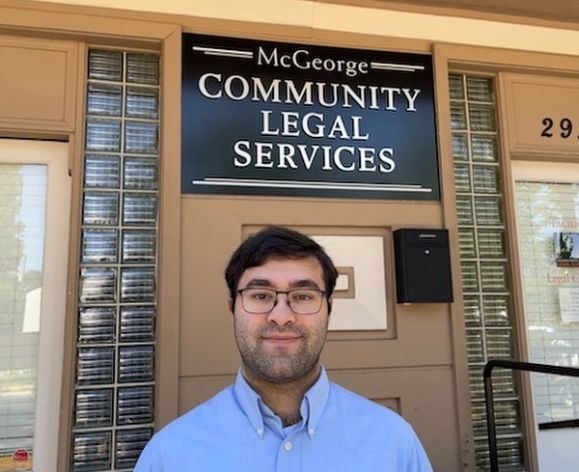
354, 19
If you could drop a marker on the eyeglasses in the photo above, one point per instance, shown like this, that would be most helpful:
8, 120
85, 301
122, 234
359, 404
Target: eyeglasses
302, 301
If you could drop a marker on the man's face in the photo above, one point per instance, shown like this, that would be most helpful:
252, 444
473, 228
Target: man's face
281, 346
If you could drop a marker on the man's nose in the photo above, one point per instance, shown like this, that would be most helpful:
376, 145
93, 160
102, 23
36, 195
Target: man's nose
281, 313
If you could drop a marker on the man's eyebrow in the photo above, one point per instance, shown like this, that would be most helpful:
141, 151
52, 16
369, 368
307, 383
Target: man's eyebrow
301, 283
307, 283
259, 283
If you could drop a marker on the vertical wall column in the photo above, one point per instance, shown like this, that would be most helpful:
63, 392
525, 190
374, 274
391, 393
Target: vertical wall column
487, 295
114, 388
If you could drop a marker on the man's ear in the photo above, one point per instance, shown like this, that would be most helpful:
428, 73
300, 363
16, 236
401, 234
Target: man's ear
230, 304
330, 306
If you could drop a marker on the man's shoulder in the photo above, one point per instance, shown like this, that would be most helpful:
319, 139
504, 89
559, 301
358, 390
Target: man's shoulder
349, 417
196, 433
368, 412
214, 411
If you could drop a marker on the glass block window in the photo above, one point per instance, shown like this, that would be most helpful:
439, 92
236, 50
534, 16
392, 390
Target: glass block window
114, 389
484, 264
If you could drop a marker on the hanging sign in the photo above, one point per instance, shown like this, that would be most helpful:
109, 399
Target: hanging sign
264, 118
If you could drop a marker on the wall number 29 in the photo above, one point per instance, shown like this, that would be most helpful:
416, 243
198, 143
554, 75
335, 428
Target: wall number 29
565, 128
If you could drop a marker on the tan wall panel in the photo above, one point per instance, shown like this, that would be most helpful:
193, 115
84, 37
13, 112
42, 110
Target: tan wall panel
457, 322
542, 115
213, 227
423, 338
195, 390
38, 84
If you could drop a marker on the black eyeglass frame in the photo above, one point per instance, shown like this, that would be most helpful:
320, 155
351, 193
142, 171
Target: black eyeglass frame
283, 292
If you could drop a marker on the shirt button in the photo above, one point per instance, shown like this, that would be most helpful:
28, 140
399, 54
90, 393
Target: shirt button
288, 446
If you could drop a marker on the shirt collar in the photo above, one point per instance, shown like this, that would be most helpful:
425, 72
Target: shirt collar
248, 401
316, 398
311, 409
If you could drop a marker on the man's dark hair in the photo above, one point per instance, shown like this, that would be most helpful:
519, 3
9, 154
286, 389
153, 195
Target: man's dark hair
277, 242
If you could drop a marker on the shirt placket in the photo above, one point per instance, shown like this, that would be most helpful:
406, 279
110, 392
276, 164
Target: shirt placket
289, 453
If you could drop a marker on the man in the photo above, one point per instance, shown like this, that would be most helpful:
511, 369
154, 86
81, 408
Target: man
282, 413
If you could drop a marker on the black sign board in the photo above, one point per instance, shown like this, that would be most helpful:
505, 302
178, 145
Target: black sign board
265, 118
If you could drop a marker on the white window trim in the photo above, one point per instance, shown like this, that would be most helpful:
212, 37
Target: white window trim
535, 171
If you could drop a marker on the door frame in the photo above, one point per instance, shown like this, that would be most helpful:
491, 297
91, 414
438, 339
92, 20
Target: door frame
535, 171
54, 289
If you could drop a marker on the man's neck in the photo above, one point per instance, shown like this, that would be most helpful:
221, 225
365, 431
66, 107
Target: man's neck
284, 399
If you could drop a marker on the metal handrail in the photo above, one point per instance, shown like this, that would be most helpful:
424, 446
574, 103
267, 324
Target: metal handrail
488, 384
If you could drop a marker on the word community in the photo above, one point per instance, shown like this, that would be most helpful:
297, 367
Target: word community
289, 153
329, 95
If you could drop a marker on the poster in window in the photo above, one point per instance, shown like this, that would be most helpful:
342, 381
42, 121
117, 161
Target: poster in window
567, 249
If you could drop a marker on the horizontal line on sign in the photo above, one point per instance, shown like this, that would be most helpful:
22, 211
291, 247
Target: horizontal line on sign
224, 52
312, 185
398, 67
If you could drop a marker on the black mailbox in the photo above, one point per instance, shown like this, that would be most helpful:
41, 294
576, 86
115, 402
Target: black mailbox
422, 266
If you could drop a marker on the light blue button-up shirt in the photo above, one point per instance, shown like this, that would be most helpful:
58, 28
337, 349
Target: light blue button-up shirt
236, 431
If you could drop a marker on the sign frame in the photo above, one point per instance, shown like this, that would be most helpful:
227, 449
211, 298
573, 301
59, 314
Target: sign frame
283, 119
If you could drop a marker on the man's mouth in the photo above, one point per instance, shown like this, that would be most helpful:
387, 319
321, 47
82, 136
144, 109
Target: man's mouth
281, 339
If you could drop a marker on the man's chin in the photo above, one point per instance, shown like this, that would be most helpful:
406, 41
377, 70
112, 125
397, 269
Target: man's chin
283, 372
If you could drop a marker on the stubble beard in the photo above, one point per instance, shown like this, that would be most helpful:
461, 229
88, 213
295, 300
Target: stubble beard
280, 366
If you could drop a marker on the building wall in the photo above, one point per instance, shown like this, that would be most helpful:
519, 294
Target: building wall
419, 366
368, 20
